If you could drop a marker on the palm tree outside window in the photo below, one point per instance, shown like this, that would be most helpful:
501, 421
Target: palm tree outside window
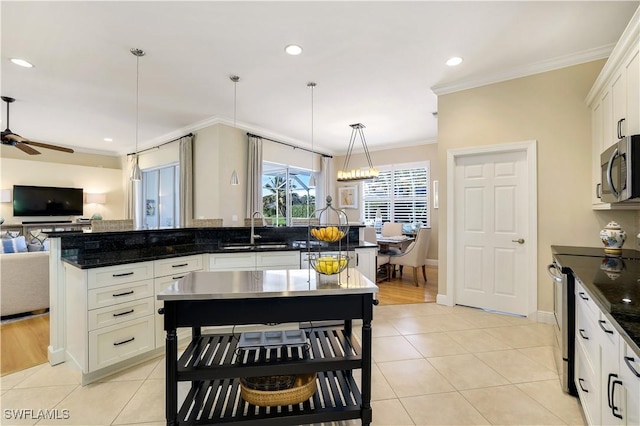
286, 194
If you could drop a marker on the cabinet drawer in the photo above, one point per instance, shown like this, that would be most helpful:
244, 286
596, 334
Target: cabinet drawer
178, 265
232, 261
108, 296
587, 336
110, 275
122, 312
584, 299
608, 336
278, 260
119, 342
588, 388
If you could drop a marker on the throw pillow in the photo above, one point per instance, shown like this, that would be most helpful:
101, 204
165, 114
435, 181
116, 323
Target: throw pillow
45, 245
35, 247
14, 245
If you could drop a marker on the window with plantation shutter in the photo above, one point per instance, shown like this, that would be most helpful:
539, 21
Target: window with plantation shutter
399, 194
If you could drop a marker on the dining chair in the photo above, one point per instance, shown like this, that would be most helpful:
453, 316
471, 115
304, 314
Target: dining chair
415, 255
206, 223
391, 229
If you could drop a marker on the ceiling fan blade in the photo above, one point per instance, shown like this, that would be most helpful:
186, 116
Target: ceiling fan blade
26, 148
48, 146
14, 137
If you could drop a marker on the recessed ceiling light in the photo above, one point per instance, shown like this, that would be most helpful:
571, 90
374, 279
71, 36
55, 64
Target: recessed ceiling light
22, 62
456, 60
293, 49
108, 140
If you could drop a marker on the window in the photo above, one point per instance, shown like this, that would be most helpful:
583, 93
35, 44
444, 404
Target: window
160, 197
399, 194
286, 194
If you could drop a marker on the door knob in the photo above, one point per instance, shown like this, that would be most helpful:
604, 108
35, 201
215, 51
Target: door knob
519, 241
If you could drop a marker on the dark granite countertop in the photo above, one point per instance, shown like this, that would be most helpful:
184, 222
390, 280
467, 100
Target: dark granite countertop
88, 260
613, 283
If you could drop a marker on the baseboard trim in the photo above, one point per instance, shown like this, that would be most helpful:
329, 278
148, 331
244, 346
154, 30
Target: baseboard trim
55, 356
443, 299
545, 317
432, 262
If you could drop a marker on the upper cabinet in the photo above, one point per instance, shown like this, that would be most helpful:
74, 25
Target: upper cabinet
614, 100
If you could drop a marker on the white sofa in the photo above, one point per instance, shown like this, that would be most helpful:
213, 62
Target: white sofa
24, 282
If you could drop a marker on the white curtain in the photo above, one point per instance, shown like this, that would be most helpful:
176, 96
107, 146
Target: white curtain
134, 194
186, 180
254, 176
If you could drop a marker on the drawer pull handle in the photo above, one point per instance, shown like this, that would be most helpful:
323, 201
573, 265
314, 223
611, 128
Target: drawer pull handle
582, 296
180, 265
123, 294
124, 313
124, 341
124, 274
628, 360
614, 409
581, 331
582, 387
600, 322
177, 278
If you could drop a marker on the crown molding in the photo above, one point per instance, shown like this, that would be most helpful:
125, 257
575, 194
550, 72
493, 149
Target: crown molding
524, 71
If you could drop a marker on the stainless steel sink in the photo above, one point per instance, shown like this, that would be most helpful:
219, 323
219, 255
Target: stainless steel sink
255, 246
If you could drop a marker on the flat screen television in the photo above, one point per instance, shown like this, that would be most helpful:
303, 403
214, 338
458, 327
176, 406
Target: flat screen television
46, 201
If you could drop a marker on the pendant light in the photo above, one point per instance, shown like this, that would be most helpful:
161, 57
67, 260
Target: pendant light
234, 175
136, 173
346, 175
312, 178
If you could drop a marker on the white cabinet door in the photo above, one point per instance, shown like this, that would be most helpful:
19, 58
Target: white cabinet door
630, 377
597, 147
618, 106
633, 94
365, 262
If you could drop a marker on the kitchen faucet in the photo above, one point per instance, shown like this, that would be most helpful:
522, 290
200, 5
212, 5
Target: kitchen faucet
253, 235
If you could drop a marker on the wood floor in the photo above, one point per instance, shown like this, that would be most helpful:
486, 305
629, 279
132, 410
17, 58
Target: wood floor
23, 343
403, 290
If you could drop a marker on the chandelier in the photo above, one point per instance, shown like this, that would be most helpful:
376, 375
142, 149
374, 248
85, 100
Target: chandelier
346, 174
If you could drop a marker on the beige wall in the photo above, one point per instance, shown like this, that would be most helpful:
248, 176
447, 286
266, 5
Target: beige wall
422, 152
550, 108
92, 179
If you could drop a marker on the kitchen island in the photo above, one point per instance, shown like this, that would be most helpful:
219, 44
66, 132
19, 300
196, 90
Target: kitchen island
212, 362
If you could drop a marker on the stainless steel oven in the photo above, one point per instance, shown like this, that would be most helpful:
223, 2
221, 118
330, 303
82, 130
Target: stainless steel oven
564, 313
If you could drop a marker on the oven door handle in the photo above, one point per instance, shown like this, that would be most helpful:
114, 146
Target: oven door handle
553, 276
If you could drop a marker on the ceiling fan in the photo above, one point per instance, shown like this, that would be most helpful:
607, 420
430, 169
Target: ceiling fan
10, 138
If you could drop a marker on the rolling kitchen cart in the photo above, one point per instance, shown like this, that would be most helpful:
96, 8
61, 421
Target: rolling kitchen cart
213, 364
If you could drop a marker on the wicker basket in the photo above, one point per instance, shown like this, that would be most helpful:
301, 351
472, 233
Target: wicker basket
303, 388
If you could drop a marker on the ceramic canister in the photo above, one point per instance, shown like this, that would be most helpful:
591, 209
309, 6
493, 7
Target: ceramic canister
613, 237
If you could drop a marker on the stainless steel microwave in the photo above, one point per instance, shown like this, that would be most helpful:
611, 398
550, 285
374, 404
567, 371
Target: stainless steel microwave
620, 171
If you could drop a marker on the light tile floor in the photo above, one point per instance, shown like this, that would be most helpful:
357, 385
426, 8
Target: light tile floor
433, 365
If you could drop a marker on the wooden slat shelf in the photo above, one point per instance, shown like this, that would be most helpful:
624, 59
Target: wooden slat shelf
214, 363
215, 356
219, 401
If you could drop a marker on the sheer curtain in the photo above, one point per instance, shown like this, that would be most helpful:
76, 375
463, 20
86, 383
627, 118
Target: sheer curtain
324, 183
254, 176
186, 180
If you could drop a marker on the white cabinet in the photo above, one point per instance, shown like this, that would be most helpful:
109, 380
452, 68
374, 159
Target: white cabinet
366, 262
630, 377
109, 315
587, 367
614, 100
166, 272
254, 261
607, 370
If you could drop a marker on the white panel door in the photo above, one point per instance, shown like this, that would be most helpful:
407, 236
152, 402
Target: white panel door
491, 221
